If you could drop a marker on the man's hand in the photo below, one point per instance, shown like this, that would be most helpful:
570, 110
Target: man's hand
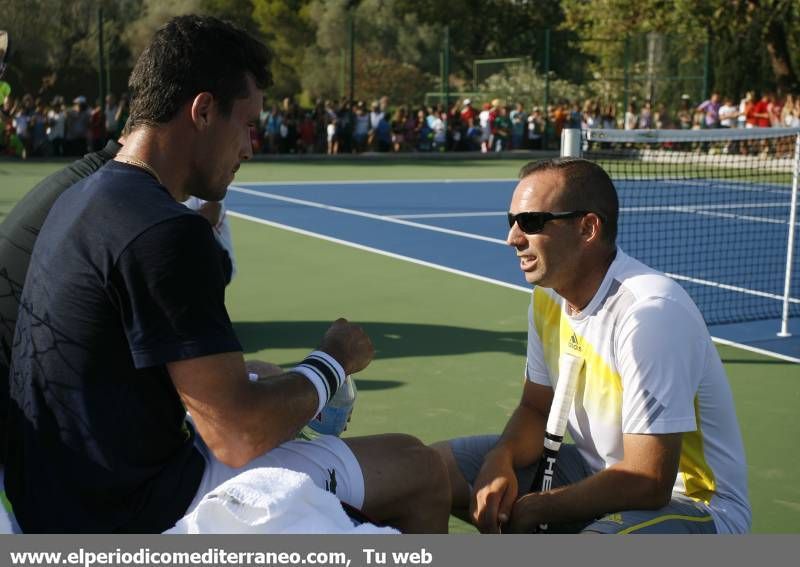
349, 345
526, 515
494, 492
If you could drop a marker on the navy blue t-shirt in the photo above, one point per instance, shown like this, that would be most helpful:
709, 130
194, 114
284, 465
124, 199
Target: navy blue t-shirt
123, 279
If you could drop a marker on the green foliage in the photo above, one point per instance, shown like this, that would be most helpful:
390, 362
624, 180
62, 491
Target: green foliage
55, 47
522, 83
759, 37
240, 12
152, 15
393, 51
755, 44
288, 29
486, 28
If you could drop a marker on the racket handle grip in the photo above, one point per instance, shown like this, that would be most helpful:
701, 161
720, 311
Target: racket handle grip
569, 367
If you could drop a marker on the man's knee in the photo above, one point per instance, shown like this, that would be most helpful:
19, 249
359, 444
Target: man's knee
432, 491
406, 482
401, 460
437, 472
428, 464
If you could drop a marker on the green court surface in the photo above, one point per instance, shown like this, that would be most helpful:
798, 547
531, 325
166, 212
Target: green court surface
450, 351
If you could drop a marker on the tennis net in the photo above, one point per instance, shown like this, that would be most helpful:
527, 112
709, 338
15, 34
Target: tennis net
714, 209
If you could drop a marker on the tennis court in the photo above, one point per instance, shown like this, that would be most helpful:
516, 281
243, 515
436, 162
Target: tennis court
459, 226
450, 348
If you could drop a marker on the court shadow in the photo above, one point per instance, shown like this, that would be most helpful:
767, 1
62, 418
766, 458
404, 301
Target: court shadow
371, 384
391, 340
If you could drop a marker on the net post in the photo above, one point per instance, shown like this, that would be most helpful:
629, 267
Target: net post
571, 142
784, 332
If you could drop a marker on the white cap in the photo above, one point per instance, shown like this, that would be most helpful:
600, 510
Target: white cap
467, 101
79, 100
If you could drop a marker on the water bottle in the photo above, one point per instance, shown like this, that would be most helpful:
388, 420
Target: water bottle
333, 418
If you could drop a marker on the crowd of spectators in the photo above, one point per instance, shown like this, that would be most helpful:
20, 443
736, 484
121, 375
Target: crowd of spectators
33, 127
768, 111
353, 127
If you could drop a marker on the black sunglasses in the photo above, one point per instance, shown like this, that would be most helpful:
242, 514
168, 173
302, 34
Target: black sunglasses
532, 222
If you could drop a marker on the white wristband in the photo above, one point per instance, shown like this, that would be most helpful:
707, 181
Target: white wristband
324, 372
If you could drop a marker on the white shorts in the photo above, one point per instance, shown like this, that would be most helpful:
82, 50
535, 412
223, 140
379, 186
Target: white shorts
327, 460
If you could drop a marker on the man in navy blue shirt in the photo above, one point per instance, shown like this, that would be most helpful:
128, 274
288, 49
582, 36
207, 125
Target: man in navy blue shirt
20, 228
122, 328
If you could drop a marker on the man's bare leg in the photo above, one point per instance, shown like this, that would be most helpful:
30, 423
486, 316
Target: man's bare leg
405, 483
459, 487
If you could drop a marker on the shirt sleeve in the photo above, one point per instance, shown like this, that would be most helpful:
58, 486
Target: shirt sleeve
535, 367
661, 354
170, 286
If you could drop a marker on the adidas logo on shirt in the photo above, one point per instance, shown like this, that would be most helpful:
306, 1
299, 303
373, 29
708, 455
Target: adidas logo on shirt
574, 344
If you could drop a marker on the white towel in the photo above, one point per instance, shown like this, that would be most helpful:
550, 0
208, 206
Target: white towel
270, 501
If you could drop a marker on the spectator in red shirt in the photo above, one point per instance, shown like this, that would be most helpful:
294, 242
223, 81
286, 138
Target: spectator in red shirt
468, 112
761, 111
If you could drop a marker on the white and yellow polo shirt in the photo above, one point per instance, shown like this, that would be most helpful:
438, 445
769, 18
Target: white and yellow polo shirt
650, 367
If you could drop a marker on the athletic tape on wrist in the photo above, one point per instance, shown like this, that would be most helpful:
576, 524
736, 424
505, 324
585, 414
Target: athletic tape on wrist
324, 372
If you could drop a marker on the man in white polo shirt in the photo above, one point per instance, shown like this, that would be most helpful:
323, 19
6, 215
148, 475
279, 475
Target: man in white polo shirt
657, 447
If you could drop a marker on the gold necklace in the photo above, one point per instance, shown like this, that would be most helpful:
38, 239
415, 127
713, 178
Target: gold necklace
130, 160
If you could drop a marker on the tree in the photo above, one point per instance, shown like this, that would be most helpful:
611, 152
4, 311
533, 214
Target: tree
522, 83
63, 57
288, 30
777, 20
152, 15
487, 28
392, 49
240, 12
757, 36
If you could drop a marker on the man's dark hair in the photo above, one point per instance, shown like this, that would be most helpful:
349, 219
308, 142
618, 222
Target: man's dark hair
190, 55
587, 187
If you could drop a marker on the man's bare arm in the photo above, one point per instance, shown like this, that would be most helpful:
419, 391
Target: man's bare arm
643, 480
240, 419
495, 489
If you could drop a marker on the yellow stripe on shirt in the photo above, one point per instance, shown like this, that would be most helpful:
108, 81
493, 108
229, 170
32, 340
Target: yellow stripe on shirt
698, 478
600, 390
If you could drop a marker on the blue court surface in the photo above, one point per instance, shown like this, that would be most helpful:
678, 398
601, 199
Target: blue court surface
726, 244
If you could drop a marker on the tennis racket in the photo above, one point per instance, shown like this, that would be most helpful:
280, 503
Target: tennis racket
569, 368
3, 52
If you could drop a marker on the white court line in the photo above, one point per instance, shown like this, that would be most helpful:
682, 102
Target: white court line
372, 216
671, 182
477, 237
709, 206
322, 183
469, 275
718, 285
747, 186
702, 211
757, 350
745, 205
379, 251
622, 210
672, 209
450, 215
739, 217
